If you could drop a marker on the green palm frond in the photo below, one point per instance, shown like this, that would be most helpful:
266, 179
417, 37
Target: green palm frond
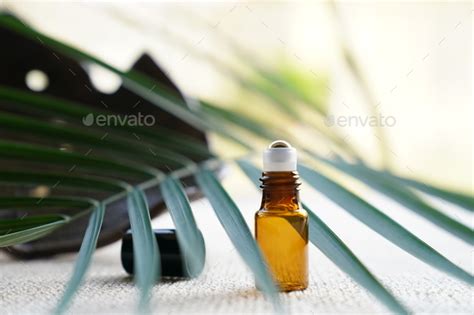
28, 228
76, 181
73, 113
84, 257
391, 187
461, 199
30, 152
124, 169
234, 224
22, 230
145, 248
189, 237
381, 223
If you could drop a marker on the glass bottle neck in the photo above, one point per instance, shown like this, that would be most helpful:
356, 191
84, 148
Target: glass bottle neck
280, 191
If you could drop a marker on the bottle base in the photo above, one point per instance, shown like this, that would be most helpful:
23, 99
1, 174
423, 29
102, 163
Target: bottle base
292, 287
289, 287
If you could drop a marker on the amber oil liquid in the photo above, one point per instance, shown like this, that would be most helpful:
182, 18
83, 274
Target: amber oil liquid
281, 230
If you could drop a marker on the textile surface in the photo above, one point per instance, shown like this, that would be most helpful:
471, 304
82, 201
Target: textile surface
227, 286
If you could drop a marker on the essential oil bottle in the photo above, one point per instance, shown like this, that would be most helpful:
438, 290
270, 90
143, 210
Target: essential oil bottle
281, 226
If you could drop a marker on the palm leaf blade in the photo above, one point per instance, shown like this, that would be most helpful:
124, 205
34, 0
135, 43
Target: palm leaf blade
88, 246
189, 237
92, 140
16, 150
69, 180
335, 249
23, 230
390, 187
18, 224
382, 224
239, 233
74, 112
36, 203
462, 200
238, 120
145, 248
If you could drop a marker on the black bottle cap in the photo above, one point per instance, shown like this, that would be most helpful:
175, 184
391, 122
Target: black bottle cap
173, 262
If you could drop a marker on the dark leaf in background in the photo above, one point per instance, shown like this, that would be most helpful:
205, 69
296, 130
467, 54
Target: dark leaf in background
70, 80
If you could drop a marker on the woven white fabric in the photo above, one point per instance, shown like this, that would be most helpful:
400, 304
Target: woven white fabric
226, 286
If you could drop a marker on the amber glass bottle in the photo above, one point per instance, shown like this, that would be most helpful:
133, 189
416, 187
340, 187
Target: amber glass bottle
281, 226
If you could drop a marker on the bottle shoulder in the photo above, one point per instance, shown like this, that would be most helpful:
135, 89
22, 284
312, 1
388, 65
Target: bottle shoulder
282, 213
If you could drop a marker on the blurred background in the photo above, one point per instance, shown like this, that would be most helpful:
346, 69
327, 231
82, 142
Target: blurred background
416, 59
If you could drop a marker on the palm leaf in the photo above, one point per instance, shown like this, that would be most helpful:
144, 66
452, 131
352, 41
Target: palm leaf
457, 198
241, 121
92, 231
189, 237
234, 224
40, 228
26, 229
84, 258
78, 203
69, 180
19, 224
393, 189
134, 81
145, 248
139, 218
334, 248
22, 151
338, 252
381, 223
137, 203
93, 140
280, 88
74, 112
